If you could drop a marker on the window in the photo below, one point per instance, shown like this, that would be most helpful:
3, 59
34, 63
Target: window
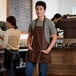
74, 10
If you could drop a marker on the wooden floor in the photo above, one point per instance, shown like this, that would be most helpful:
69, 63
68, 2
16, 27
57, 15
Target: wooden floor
58, 75
61, 75
37, 75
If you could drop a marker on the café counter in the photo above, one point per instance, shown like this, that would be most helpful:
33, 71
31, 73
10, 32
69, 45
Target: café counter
21, 68
62, 61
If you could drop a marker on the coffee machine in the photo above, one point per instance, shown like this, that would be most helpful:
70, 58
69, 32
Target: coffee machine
69, 27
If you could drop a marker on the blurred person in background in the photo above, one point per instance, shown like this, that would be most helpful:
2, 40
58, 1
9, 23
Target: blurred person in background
3, 28
56, 18
11, 46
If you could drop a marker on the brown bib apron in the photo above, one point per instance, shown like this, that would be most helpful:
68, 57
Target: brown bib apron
39, 43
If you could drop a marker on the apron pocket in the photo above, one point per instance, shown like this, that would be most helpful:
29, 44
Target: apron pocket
44, 57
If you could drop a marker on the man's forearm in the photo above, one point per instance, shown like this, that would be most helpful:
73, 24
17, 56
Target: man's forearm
52, 43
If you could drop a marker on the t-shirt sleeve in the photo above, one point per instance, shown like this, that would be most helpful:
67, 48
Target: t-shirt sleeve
52, 28
30, 28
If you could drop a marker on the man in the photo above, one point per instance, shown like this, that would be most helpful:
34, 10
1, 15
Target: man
39, 44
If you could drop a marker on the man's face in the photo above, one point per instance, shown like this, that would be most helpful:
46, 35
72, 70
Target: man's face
40, 11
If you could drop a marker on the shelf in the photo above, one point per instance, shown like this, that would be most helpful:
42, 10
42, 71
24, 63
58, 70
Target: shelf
21, 66
23, 50
2, 69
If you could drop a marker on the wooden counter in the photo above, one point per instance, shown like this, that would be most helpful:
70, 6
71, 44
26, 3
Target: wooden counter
63, 62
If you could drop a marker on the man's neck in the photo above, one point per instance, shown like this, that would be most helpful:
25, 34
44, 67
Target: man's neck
41, 18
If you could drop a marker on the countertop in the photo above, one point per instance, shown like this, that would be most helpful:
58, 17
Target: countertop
67, 48
20, 50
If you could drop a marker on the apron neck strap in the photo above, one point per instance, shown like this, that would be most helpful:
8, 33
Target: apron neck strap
43, 22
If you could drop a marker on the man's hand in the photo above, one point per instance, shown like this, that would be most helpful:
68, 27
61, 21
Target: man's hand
30, 48
45, 51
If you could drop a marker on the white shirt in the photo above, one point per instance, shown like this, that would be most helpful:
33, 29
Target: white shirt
1, 34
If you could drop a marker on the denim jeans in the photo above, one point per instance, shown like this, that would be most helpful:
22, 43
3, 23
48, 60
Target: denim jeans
30, 67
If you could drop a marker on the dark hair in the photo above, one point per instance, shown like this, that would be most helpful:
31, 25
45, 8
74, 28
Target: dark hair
3, 25
12, 21
56, 16
41, 3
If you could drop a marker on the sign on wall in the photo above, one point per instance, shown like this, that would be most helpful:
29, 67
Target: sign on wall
21, 9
